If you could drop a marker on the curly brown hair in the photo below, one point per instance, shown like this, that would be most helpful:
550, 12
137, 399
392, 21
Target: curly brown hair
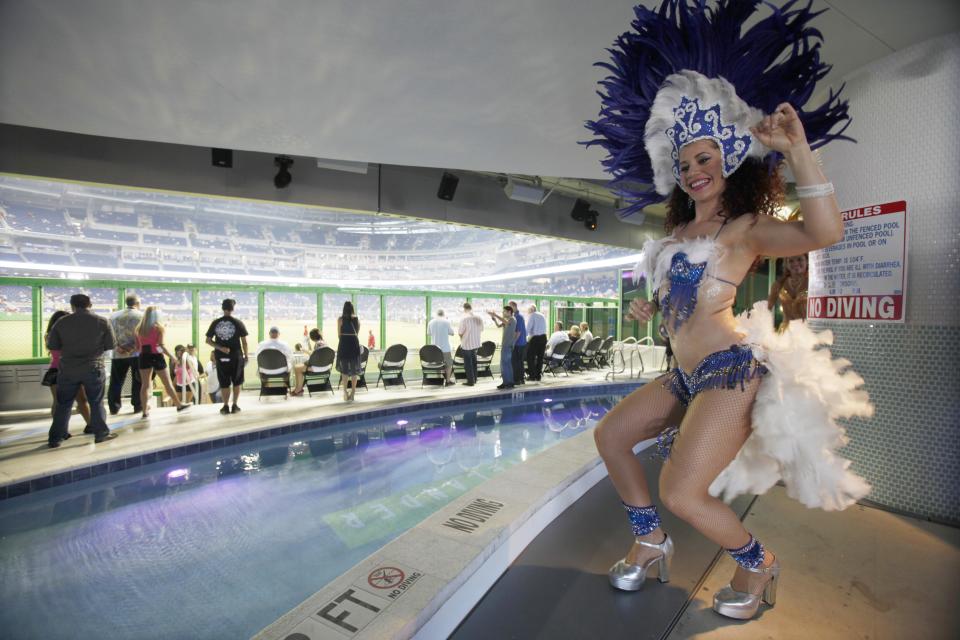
751, 189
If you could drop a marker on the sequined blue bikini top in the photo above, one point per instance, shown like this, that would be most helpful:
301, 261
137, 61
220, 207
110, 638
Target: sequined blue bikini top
685, 274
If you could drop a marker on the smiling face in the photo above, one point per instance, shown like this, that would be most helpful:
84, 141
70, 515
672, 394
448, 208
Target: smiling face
797, 265
701, 170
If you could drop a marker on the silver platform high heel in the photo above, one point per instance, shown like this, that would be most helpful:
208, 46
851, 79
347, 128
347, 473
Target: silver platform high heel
743, 605
630, 577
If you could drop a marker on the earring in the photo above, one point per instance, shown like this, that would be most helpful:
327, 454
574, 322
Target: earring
690, 202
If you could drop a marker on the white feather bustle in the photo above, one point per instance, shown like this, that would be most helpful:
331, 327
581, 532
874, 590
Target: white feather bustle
795, 434
709, 91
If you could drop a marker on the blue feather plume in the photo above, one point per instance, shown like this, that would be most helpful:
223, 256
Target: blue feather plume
776, 60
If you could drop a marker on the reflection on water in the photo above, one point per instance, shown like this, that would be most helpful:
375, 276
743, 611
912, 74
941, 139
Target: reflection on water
230, 541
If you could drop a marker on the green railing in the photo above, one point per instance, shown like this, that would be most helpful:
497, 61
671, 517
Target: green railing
392, 315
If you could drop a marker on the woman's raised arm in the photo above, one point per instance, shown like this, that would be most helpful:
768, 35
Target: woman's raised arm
822, 225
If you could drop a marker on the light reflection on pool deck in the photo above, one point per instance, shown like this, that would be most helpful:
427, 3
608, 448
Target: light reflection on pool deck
219, 546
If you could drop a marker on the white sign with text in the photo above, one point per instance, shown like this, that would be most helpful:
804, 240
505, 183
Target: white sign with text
862, 278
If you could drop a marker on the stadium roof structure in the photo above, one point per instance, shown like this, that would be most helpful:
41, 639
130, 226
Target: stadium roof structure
65, 229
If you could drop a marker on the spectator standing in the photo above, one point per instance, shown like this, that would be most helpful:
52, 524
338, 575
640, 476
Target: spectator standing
585, 334
440, 330
470, 330
558, 336
228, 336
509, 325
81, 338
213, 380
125, 355
536, 342
50, 377
520, 346
348, 350
150, 345
192, 366
371, 341
185, 374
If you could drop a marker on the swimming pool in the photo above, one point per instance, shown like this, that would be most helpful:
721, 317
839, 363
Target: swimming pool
220, 544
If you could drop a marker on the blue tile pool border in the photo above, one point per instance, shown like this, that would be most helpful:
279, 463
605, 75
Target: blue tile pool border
60, 478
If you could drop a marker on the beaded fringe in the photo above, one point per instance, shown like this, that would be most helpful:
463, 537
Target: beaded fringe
680, 302
720, 370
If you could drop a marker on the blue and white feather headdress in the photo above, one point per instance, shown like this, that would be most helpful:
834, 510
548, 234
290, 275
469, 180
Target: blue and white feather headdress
688, 72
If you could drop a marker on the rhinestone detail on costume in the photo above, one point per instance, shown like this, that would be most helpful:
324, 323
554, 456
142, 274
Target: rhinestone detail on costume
642, 519
680, 300
693, 122
665, 442
750, 555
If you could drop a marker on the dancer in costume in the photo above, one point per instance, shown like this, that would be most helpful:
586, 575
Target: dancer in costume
791, 290
700, 108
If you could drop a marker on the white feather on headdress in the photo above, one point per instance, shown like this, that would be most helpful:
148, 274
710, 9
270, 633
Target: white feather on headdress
709, 91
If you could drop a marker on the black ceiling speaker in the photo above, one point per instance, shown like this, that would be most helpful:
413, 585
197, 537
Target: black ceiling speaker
448, 186
222, 158
283, 177
580, 210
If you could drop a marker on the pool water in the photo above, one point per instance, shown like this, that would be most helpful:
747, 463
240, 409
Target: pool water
220, 544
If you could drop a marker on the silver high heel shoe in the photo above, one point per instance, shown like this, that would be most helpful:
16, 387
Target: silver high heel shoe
630, 577
743, 605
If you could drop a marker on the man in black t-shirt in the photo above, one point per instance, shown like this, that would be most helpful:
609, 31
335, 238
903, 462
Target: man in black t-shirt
229, 337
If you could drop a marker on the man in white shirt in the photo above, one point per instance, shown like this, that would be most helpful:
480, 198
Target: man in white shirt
558, 336
439, 329
536, 342
275, 343
471, 327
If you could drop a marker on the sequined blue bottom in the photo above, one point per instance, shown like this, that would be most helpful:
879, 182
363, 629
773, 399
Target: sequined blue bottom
720, 370
642, 519
750, 555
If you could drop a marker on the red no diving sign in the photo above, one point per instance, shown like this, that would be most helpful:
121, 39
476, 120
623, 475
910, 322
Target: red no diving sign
385, 577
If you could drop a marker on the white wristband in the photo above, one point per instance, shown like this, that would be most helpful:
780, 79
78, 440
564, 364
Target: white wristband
815, 190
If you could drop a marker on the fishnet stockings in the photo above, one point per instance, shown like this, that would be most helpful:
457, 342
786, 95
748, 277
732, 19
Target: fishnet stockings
638, 417
714, 428
712, 431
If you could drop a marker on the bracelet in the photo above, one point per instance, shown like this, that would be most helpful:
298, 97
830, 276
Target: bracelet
816, 190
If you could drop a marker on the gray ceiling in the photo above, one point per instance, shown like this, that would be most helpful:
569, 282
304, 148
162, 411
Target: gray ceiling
501, 85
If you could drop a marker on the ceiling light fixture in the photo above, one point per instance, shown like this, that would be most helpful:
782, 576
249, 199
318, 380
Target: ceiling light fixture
582, 212
522, 192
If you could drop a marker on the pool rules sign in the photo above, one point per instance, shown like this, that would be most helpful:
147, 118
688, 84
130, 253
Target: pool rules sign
862, 278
